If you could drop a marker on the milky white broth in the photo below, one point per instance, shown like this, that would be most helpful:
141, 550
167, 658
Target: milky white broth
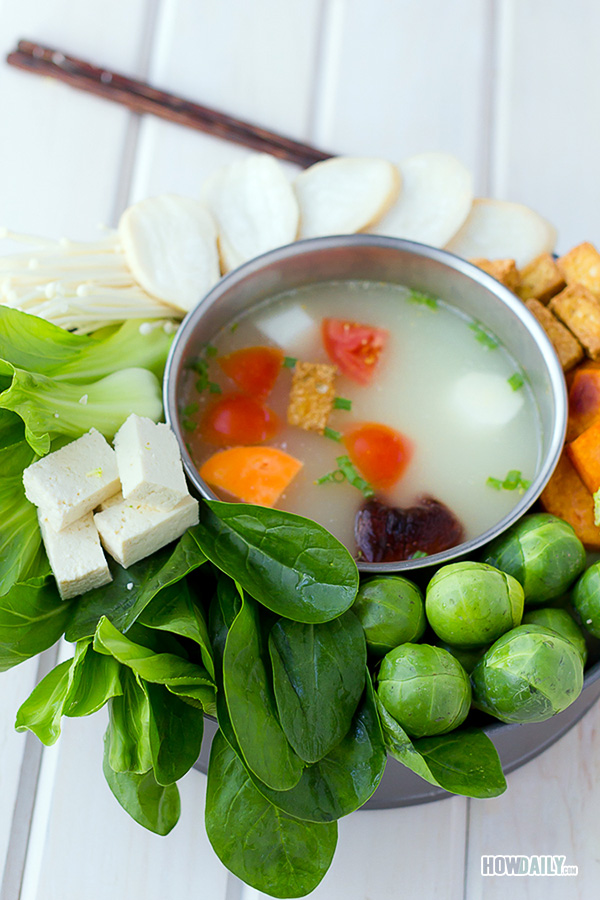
431, 384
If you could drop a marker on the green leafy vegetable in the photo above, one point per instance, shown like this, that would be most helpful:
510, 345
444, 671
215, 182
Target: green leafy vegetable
289, 564
318, 679
32, 618
97, 682
462, 762
43, 709
176, 730
154, 806
252, 705
129, 728
259, 843
132, 589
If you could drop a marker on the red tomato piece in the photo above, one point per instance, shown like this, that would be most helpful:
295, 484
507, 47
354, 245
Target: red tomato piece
380, 453
354, 348
254, 369
237, 419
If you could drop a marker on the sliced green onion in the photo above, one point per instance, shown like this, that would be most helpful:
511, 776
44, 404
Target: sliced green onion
353, 477
200, 366
234, 327
516, 381
483, 336
190, 409
214, 388
188, 425
494, 483
332, 434
210, 350
423, 298
342, 403
513, 481
336, 476
418, 554
289, 362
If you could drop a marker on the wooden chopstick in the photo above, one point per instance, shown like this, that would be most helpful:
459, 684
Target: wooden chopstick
143, 98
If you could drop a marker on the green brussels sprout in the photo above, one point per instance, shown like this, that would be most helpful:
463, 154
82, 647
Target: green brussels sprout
469, 604
543, 553
560, 621
466, 657
424, 688
586, 599
391, 611
528, 675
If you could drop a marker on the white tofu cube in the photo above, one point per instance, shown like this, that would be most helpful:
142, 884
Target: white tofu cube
72, 481
131, 531
290, 328
75, 555
149, 463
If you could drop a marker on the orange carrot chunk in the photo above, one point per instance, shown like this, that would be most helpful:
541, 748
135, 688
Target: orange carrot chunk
584, 453
237, 419
380, 453
252, 474
253, 369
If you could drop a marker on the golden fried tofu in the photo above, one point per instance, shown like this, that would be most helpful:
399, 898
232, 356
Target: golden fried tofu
541, 279
504, 270
312, 395
579, 309
568, 349
581, 265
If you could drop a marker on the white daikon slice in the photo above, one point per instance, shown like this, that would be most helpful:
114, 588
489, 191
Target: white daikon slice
497, 229
484, 399
345, 194
254, 206
170, 245
289, 327
437, 192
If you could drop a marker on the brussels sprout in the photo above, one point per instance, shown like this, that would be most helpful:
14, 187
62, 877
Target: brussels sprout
560, 621
543, 553
586, 599
528, 675
424, 688
469, 604
467, 658
391, 611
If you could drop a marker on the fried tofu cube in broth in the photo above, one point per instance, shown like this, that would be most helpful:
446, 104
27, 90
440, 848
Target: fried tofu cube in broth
568, 349
312, 395
541, 279
581, 265
579, 309
503, 270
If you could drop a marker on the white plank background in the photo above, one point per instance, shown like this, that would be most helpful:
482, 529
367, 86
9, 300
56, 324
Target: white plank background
509, 86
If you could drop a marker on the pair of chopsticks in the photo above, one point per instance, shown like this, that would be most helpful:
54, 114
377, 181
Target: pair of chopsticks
141, 97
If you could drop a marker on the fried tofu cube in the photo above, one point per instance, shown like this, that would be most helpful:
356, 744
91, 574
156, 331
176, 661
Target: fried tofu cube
541, 279
579, 310
503, 270
581, 265
568, 349
312, 395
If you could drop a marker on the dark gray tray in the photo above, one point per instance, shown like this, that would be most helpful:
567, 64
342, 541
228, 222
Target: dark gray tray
516, 745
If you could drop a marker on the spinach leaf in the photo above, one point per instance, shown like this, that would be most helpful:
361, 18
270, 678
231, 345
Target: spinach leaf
128, 733
158, 668
97, 681
342, 781
462, 762
132, 589
152, 805
43, 709
197, 695
289, 564
32, 618
173, 611
318, 679
259, 843
176, 730
251, 704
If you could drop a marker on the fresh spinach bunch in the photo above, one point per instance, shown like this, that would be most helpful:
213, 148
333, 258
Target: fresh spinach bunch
247, 618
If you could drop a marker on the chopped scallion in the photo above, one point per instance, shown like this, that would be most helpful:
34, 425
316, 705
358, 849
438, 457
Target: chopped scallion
214, 388
483, 336
332, 434
353, 477
289, 362
513, 481
210, 350
418, 554
335, 476
423, 298
190, 409
342, 403
516, 381
234, 327
188, 425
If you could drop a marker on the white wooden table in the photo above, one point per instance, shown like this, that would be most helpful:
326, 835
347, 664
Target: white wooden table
511, 88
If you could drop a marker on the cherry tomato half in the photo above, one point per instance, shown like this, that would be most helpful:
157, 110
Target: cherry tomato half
237, 419
380, 453
254, 369
354, 348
